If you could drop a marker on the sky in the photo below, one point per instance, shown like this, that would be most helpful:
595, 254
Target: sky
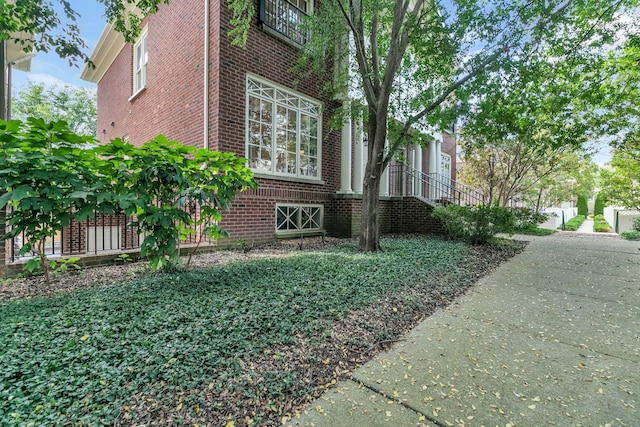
49, 69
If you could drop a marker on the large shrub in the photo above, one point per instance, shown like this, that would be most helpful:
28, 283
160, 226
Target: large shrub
174, 191
527, 218
475, 224
598, 207
583, 208
50, 176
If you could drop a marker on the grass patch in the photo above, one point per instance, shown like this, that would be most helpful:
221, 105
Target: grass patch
631, 235
600, 224
197, 345
534, 230
574, 223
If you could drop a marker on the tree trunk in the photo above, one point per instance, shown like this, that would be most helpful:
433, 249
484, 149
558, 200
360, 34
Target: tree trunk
370, 227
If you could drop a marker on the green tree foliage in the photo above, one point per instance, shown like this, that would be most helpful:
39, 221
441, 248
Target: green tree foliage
47, 177
621, 180
415, 61
583, 208
598, 206
514, 171
50, 176
76, 106
44, 25
173, 190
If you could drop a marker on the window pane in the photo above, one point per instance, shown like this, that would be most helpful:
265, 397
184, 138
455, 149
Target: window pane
266, 111
281, 163
286, 136
291, 163
286, 218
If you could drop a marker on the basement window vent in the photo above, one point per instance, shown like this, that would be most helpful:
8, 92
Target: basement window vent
298, 218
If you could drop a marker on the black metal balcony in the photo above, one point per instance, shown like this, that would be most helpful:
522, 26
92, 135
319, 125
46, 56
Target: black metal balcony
285, 19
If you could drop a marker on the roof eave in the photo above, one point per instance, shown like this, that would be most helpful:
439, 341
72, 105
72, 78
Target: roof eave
104, 54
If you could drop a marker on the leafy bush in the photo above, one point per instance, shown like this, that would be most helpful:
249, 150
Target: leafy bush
525, 218
583, 208
631, 235
600, 224
598, 206
636, 224
174, 191
50, 179
475, 224
52, 176
574, 223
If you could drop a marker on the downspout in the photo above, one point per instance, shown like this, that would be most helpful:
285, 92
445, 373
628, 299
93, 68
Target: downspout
206, 74
8, 93
3, 80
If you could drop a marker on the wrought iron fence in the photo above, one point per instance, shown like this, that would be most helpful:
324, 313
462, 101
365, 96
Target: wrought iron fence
104, 233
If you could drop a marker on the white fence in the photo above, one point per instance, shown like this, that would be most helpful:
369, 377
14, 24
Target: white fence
620, 219
557, 215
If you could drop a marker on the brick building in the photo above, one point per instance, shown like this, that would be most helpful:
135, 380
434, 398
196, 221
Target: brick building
183, 79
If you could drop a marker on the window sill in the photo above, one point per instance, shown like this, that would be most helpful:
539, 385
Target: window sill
283, 37
137, 94
288, 178
296, 233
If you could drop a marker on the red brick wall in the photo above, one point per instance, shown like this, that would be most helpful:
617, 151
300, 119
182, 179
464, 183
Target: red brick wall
253, 213
172, 103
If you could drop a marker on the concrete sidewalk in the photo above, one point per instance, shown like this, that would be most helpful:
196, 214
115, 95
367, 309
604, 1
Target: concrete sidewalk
550, 338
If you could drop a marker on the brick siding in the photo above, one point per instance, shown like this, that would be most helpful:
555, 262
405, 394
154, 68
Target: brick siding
172, 104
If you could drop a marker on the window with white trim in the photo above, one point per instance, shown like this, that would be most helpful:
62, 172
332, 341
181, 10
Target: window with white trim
140, 59
445, 165
297, 218
283, 131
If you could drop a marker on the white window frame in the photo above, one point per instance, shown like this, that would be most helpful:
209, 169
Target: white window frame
296, 218
445, 160
267, 91
140, 61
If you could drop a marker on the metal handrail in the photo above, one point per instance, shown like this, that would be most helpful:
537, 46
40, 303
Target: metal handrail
439, 189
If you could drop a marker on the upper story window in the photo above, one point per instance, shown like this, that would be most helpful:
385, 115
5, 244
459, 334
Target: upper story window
285, 18
283, 131
140, 59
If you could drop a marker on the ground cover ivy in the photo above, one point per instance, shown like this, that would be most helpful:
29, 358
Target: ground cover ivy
81, 358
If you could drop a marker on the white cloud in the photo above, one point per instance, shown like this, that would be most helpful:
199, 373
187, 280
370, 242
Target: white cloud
47, 80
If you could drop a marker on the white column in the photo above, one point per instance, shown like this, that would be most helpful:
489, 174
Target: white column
417, 165
384, 180
345, 153
358, 157
438, 157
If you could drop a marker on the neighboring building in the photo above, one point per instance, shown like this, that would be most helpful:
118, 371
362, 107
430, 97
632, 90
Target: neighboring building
183, 79
12, 57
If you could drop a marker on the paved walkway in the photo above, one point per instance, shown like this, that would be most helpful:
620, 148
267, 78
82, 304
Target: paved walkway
550, 338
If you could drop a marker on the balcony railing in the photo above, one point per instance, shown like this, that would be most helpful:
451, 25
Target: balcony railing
285, 19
